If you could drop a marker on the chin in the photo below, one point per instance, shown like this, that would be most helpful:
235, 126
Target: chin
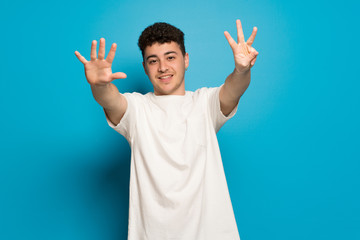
169, 88
164, 91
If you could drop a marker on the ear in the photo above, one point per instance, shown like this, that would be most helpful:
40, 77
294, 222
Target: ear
144, 68
186, 59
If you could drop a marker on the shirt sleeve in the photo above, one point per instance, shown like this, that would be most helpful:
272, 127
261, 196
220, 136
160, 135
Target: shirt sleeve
217, 117
127, 123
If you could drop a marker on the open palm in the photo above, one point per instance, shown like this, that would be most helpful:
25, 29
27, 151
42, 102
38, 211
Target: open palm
98, 70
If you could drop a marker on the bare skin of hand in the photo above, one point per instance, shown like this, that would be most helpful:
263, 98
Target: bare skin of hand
98, 70
244, 54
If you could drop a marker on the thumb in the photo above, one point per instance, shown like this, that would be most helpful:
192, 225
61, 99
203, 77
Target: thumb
118, 75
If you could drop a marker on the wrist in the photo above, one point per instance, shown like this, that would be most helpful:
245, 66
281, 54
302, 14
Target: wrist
242, 72
99, 85
240, 76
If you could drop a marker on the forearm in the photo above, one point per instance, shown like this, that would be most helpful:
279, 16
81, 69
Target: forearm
106, 95
235, 85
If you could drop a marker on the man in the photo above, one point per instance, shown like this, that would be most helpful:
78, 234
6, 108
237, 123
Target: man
178, 188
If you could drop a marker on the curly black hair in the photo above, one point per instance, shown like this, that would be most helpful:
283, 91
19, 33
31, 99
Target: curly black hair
161, 32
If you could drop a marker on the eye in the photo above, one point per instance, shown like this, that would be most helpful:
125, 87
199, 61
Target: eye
171, 57
152, 61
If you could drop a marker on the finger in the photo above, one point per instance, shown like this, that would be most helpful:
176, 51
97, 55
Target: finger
253, 55
250, 40
251, 49
240, 32
81, 58
253, 61
111, 55
118, 75
101, 54
93, 50
246, 49
230, 40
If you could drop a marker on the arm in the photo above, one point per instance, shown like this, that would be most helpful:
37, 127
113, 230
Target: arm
99, 75
238, 81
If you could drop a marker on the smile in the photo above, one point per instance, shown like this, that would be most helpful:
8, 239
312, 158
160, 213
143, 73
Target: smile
165, 77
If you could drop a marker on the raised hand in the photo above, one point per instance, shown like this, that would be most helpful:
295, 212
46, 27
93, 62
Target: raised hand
244, 54
98, 70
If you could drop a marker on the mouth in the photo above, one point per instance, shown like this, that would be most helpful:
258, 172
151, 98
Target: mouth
165, 78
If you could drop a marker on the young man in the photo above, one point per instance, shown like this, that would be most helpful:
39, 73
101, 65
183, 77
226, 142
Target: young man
178, 188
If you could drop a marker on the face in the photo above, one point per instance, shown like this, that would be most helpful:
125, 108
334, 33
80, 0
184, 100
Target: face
165, 66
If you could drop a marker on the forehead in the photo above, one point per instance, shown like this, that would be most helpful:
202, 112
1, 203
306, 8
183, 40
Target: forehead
159, 49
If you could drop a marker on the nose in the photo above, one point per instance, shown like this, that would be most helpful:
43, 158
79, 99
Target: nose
162, 66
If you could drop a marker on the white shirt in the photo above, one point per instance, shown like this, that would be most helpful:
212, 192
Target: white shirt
178, 189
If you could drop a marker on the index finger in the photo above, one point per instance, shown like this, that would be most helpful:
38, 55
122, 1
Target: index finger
93, 50
240, 31
111, 55
231, 41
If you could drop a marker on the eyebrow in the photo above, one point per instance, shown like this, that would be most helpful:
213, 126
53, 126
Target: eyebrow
167, 53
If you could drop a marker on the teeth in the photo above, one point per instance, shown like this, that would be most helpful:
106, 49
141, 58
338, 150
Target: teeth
165, 77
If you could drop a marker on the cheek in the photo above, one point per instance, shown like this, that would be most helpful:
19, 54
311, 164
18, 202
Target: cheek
151, 71
179, 66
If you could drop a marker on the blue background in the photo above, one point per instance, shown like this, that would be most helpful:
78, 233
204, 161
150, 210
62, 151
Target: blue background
291, 154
